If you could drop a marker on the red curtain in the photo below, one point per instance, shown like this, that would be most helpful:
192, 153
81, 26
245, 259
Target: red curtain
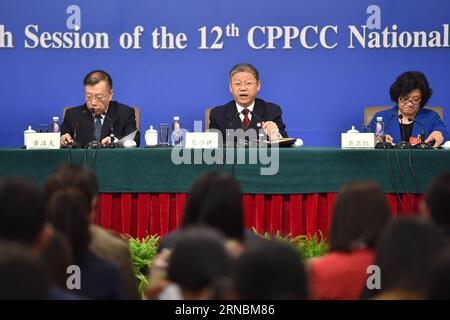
142, 214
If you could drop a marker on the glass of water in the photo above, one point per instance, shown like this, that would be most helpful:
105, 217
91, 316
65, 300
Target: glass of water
164, 134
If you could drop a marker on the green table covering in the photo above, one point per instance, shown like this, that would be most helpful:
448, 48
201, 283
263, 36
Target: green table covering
301, 170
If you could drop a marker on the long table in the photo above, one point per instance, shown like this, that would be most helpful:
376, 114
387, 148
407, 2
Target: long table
143, 191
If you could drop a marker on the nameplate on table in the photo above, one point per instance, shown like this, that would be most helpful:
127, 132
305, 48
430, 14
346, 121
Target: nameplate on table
202, 140
42, 140
354, 140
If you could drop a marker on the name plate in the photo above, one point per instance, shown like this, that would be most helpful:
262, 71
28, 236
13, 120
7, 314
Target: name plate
358, 140
42, 140
202, 140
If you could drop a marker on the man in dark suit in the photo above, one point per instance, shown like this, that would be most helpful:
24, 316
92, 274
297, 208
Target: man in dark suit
92, 120
246, 111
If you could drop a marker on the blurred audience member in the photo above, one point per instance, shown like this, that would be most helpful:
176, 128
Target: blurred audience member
270, 270
360, 213
437, 202
199, 263
69, 211
22, 214
439, 287
404, 254
56, 257
22, 276
215, 201
104, 243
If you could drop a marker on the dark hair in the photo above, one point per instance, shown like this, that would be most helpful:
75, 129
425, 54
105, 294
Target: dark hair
94, 77
268, 270
439, 287
360, 213
22, 276
437, 199
244, 67
199, 259
77, 176
22, 213
405, 253
56, 257
68, 210
409, 81
215, 201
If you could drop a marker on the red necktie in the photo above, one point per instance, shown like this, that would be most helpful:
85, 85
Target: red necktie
246, 121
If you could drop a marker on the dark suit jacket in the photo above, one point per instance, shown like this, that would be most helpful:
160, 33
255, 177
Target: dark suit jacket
99, 279
122, 116
226, 116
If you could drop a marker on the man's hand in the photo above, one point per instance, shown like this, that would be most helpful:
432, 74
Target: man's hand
271, 129
437, 137
106, 141
389, 139
66, 139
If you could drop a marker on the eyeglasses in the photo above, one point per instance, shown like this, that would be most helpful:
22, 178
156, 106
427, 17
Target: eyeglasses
246, 84
413, 100
98, 97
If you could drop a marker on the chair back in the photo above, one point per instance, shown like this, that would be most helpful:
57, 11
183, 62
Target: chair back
207, 112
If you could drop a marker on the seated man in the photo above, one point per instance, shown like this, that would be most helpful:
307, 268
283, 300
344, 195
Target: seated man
246, 111
92, 120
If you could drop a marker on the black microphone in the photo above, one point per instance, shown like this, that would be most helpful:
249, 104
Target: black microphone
75, 144
404, 144
259, 124
236, 116
402, 131
111, 132
422, 132
422, 144
227, 137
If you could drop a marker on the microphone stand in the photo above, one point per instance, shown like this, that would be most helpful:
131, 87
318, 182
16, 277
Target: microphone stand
75, 144
404, 144
94, 144
111, 132
234, 143
422, 145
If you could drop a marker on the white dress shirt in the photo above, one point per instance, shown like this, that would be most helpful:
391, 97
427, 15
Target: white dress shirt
250, 107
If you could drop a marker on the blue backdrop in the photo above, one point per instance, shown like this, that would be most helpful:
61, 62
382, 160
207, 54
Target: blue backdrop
322, 92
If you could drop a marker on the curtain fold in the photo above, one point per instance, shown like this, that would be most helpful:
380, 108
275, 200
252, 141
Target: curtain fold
142, 214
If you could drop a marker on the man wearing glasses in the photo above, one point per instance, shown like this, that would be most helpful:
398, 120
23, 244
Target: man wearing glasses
246, 111
408, 120
94, 120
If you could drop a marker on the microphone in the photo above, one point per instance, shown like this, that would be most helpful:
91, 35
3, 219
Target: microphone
75, 144
259, 124
227, 137
111, 132
422, 132
422, 144
236, 116
402, 131
404, 144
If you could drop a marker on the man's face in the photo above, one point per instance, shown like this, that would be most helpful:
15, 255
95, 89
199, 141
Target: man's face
98, 97
244, 87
